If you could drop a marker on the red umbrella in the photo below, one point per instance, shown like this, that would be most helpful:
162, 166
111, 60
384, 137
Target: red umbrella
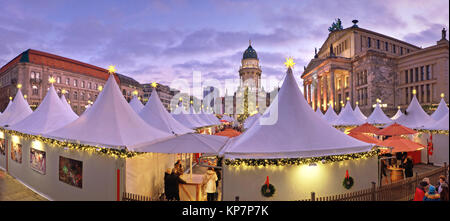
395, 130
365, 128
400, 144
364, 138
228, 133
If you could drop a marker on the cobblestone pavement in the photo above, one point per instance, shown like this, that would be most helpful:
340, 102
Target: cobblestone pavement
13, 190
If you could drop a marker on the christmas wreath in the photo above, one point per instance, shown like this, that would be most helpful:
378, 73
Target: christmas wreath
348, 181
267, 190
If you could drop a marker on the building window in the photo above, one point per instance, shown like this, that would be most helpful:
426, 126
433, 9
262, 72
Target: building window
411, 75
422, 93
401, 50
75, 95
82, 84
68, 81
58, 80
89, 85
406, 96
394, 49
378, 44
368, 42
428, 72
422, 74
82, 96
32, 75
417, 74
386, 46
428, 94
59, 92
346, 82
35, 90
407, 50
75, 82
67, 95
406, 76
339, 84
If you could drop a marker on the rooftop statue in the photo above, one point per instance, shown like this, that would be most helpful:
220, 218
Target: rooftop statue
336, 26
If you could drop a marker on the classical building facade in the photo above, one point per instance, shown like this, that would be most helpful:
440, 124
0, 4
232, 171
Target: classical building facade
364, 66
32, 69
165, 93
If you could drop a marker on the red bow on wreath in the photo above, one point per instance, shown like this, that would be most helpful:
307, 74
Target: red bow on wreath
430, 146
267, 182
346, 174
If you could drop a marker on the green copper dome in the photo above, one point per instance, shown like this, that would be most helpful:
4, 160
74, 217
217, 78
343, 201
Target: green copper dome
250, 53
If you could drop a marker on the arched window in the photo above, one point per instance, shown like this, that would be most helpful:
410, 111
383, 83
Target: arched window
32, 75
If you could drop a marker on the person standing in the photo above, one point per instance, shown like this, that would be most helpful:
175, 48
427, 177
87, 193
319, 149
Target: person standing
167, 192
209, 183
420, 191
174, 181
408, 166
432, 195
444, 192
439, 184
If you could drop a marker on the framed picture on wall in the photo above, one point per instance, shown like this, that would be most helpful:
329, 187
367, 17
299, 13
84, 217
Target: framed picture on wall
37, 160
2, 146
16, 152
71, 171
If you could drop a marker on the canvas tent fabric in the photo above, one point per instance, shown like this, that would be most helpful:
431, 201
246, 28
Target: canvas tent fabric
196, 117
136, 104
347, 117
365, 128
359, 114
157, 116
397, 115
209, 118
291, 129
18, 110
182, 116
441, 124
415, 117
441, 111
187, 143
330, 116
250, 121
395, 130
318, 112
110, 122
50, 115
67, 105
378, 116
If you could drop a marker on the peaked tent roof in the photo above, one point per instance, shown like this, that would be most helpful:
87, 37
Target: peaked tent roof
347, 117
359, 114
182, 116
50, 115
290, 129
18, 110
7, 107
378, 116
196, 117
111, 122
441, 111
441, 124
136, 104
414, 117
64, 101
157, 116
228, 118
397, 115
330, 116
213, 118
209, 118
250, 121
319, 112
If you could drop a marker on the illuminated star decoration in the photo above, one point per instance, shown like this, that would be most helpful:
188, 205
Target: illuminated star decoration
51, 80
112, 69
289, 63
442, 95
135, 92
63, 91
19, 86
154, 84
100, 88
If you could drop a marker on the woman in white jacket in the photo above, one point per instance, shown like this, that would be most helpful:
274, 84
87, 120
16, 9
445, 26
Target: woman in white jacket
209, 184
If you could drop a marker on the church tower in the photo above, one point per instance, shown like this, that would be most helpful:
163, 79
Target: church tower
250, 71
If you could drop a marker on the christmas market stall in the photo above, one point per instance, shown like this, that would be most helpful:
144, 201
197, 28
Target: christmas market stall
438, 144
378, 117
397, 115
347, 119
293, 153
136, 104
92, 157
358, 113
441, 110
16, 111
330, 115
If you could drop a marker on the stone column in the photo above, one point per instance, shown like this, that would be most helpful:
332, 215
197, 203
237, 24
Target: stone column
304, 91
325, 91
309, 93
319, 88
333, 91
351, 86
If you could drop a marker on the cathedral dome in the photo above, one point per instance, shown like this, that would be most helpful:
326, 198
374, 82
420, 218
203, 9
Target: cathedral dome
250, 53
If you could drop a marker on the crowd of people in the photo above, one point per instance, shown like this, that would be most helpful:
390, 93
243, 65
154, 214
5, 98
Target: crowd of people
428, 192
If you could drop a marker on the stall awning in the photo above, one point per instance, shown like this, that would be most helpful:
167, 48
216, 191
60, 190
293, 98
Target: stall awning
399, 144
365, 128
395, 129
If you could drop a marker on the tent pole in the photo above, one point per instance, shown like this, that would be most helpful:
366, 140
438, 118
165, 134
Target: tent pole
190, 171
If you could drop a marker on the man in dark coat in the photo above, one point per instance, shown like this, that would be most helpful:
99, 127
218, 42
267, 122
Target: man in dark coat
408, 165
166, 184
173, 181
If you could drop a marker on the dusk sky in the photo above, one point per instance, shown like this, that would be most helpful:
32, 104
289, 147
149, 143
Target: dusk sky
164, 40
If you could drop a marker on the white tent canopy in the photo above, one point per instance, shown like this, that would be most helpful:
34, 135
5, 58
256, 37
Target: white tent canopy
347, 117
18, 110
397, 115
290, 129
441, 111
213, 118
228, 118
50, 115
378, 116
111, 122
209, 118
250, 121
441, 124
157, 116
66, 104
187, 143
415, 117
330, 116
318, 112
359, 114
136, 104
182, 116
196, 117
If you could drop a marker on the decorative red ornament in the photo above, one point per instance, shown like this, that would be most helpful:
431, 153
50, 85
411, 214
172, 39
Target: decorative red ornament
430, 145
346, 174
267, 181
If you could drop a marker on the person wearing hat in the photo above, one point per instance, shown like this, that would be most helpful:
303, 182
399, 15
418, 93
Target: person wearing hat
432, 195
420, 191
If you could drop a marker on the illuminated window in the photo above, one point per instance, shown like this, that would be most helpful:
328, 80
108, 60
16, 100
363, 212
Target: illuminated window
58, 80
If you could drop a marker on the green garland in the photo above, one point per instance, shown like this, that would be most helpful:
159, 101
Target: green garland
445, 132
268, 192
300, 161
348, 183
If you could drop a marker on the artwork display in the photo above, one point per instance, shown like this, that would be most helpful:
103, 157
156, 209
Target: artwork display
38, 160
2, 146
71, 171
16, 152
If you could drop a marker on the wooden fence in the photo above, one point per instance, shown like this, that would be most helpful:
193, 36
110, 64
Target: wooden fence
403, 190
134, 197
